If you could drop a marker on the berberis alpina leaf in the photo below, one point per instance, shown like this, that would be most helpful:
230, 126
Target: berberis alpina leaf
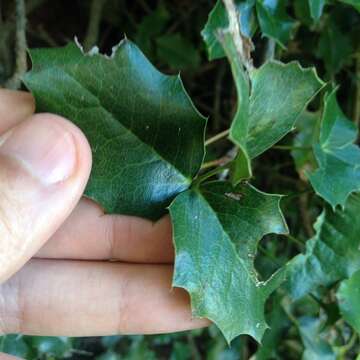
145, 134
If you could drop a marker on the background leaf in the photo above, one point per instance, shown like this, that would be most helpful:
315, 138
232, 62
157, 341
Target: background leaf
348, 296
338, 158
274, 21
332, 255
218, 19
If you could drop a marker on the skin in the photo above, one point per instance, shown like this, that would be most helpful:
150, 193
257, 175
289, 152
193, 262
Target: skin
66, 269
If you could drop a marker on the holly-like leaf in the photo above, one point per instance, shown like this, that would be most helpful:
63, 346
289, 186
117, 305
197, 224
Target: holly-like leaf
348, 296
332, 37
337, 156
216, 230
145, 134
218, 19
316, 8
279, 93
274, 22
354, 3
332, 254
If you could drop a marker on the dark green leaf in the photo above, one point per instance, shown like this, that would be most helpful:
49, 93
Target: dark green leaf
216, 231
177, 51
334, 47
145, 134
332, 255
279, 93
151, 26
337, 156
279, 324
218, 20
14, 345
348, 297
274, 22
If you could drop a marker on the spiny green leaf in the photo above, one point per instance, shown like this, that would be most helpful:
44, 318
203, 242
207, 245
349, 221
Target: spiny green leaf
348, 296
274, 22
145, 134
218, 19
279, 93
338, 158
332, 254
316, 8
216, 231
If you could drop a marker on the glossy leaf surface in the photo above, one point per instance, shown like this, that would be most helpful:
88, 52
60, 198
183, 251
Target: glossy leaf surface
216, 231
145, 134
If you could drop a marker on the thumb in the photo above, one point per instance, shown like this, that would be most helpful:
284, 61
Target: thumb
44, 166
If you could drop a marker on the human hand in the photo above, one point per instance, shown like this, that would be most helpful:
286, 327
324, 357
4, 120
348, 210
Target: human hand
68, 285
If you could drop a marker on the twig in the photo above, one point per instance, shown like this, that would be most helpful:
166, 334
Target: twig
217, 137
20, 67
269, 53
243, 45
92, 32
223, 160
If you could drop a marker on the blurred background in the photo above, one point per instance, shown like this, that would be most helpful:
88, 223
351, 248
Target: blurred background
169, 33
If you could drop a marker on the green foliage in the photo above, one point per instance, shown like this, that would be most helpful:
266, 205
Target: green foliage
337, 156
332, 255
126, 121
214, 261
348, 296
295, 293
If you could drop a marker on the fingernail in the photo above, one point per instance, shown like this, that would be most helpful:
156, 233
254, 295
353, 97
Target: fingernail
45, 149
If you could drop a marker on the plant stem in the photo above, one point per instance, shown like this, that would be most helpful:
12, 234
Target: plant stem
216, 162
20, 66
217, 137
211, 173
243, 45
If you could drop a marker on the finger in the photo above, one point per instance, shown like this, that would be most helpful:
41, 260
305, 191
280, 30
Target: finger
8, 357
15, 106
80, 298
44, 165
88, 234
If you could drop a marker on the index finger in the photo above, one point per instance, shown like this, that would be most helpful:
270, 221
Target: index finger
15, 106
